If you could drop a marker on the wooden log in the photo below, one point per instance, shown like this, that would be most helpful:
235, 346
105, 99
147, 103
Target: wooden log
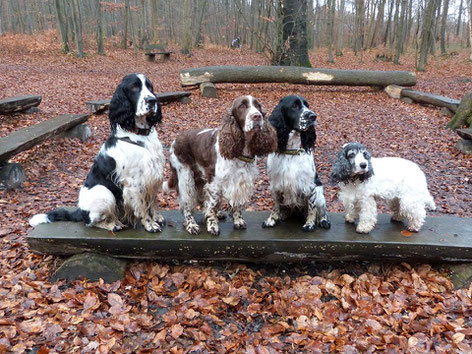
464, 146
428, 98
394, 91
18, 103
207, 89
441, 238
28, 137
295, 75
12, 175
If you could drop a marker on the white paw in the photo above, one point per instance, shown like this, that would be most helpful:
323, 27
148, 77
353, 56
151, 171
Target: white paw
213, 228
239, 224
349, 219
364, 229
192, 228
270, 222
159, 219
414, 228
151, 226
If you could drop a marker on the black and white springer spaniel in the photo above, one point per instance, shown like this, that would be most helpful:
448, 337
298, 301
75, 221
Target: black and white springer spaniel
294, 183
211, 164
122, 186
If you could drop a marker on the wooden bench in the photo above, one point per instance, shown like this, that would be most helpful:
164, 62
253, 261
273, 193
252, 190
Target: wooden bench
18, 103
442, 238
164, 55
12, 174
100, 106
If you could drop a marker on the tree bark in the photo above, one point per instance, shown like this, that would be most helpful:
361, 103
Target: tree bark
295, 75
469, 5
399, 34
292, 46
187, 30
331, 8
340, 39
155, 21
124, 39
443, 27
426, 34
198, 36
99, 14
463, 116
459, 20
76, 18
62, 26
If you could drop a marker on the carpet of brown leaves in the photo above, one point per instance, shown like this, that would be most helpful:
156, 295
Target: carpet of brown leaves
227, 307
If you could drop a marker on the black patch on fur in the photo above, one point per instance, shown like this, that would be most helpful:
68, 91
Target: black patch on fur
102, 173
342, 168
317, 180
68, 215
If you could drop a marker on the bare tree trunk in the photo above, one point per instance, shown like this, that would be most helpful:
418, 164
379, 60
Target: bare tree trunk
340, 39
459, 20
359, 26
198, 36
124, 39
100, 44
61, 24
388, 28
155, 21
399, 34
469, 5
331, 8
443, 27
378, 23
426, 34
187, 28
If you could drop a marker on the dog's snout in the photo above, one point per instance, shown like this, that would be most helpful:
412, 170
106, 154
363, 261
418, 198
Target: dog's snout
311, 116
150, 100
363, 165
256, 117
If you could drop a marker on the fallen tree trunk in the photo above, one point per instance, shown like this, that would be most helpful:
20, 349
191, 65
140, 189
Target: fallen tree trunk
463, 116
295, 75
428, 98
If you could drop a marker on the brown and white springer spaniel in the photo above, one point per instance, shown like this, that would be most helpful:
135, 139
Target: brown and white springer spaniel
211, 164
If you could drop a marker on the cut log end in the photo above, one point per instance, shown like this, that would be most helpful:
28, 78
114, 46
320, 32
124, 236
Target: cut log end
207, 89
12, 175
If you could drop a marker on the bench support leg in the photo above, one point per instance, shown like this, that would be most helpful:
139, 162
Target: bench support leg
208, 89
81, 131
12, 175
92, 267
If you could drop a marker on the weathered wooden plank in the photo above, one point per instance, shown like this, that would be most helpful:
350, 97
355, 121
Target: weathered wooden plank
28, 137
428, 98
295, 75
442, 238
164, 97
19, 103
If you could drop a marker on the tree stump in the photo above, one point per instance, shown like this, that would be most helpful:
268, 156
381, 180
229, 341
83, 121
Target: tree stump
463, 116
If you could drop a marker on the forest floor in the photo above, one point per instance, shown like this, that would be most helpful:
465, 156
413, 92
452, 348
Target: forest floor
351, 307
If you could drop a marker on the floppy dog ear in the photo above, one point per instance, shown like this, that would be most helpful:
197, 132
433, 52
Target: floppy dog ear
265, 141
278, 122
341, 169
121, 111
308, 138
230, 138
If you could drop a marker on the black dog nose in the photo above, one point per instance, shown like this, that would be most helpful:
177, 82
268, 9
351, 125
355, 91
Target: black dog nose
150, 100
363, 165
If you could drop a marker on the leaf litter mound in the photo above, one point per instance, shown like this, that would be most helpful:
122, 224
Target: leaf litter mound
227, 307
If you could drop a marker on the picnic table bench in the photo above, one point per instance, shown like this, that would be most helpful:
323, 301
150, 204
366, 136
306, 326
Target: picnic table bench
151, 50
12, 174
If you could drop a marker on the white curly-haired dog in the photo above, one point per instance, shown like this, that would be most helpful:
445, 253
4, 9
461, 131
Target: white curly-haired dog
363, 179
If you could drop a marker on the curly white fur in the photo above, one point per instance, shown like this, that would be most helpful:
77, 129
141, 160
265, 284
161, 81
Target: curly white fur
398, 182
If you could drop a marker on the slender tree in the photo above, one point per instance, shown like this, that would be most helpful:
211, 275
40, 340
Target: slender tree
426, 34
329, 38
59, 4
100, 44
399, 33
124, 38
443, 26
469, 5
155, 21
340, 35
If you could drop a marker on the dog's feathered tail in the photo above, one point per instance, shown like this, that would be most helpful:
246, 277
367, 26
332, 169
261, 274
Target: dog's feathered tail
58, 215
172, 182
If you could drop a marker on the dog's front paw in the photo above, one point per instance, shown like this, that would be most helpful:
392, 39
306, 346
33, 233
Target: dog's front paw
349, 219
151, 226
324, 224
239, 224
309, 227
192, 228
364, 228
159, 219
270, 222
212, 227
221, 215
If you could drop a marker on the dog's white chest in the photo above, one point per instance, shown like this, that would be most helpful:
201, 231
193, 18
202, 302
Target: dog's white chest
292, 175
236, 179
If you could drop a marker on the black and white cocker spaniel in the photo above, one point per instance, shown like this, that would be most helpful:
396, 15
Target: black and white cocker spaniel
294, 182
122, 186
211, 164
364, 179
